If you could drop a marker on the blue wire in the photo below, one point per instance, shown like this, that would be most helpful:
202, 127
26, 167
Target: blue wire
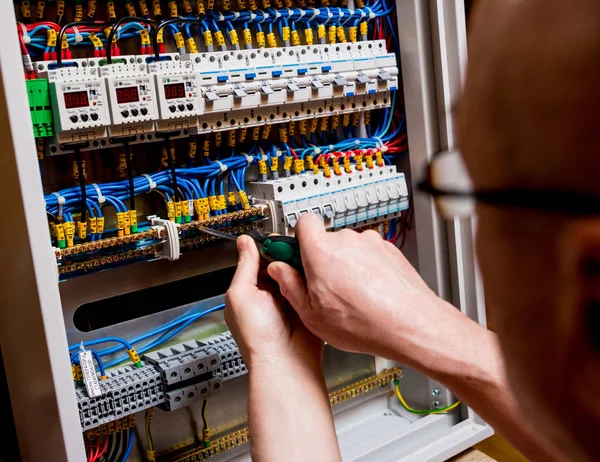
129, 445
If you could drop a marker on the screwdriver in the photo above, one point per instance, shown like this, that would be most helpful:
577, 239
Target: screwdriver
270, 247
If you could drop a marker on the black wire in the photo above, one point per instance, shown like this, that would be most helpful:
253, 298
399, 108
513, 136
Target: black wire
116, 448
124, 442
113, 31
128, 160
110, 442
81, 183
62, 32
197, 20
176, 191
54, 218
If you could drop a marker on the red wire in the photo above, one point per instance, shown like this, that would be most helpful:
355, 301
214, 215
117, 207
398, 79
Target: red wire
294, 153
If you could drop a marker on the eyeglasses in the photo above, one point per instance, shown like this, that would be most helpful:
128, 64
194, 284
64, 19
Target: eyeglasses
448, 182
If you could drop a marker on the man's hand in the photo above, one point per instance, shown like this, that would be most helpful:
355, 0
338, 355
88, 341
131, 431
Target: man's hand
263, 324
360, 293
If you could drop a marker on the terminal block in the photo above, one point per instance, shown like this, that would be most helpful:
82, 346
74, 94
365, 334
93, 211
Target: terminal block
40, 107
181, 397
127, 390
352, 200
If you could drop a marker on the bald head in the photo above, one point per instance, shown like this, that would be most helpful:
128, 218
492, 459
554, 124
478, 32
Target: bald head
533, 91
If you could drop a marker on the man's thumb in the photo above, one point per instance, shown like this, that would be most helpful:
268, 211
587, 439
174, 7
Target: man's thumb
291, 285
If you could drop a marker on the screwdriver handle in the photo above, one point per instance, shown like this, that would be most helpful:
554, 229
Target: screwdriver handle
278, 248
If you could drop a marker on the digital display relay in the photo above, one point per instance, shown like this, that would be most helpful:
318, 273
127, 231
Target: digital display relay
76, 99
127, 95
175, 90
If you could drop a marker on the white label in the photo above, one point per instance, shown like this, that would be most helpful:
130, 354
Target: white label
88, 369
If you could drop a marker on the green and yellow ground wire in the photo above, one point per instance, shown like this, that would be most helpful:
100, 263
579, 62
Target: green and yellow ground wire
421, 411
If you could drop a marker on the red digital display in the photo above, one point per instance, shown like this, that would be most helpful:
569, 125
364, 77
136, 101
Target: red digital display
76, 99
175, 90
127, 95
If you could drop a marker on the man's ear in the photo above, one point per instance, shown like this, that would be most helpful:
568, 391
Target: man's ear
580, 273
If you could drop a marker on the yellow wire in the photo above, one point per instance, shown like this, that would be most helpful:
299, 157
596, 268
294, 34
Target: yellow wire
416, 411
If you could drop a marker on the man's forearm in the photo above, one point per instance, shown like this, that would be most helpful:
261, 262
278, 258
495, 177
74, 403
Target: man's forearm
288, 398
467, 359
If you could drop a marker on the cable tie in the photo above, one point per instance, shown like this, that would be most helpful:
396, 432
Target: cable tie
101, 198
317, 150
290, 12
364, 151
81, 347
329, 15
302, 13
362, 14
265, 17
277, 14
25, 35
78, 36
61, 201
151, 183
341, 13
252, 17
356, 143
278, 152
236, 14
221, 17
384, 148
316, 12
221, 165
331, 147
248, 157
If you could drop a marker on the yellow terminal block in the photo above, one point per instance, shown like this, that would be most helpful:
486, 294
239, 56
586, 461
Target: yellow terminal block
252, 5
295, 38
285, 33
289, 3
242, 135
198, 208
244, 200
278, 3
231, 198
315, 168
187, 7
231, 138
379, 159
51, 38
172, 8
262, 167
60, 9
171, 210
179, 42
353, 32
341, 34
298, 166
327, 171
39, 10
208, 39
144, 37
217, 139
332, 34
233, 37
369, 161
271, 40
241, 4
107, 32
133, 221
364, 29
266, 132
313, 125
221, 204
265, 4
78, 373
335, 121
130, 9
205, 207
192, 147
212, 202
206, 147
359, 3
347, 167
322, 161
185, 208
255, 133
225, 5
367, 119
81, 230
292, 128
110, 10
78, 16
336, 167
345, 120
321, 31
324, 123
74, 372
287, 163
355, 119
210, 4
309, 36
220, 38
136, 360
100, 225
156, 10
302, 126
200, 8
283, 136
274, 164
359, 162
59, 232
97, 42
126, 223
178, 210
260, 39
191, 45
310, 162
247, 35
64, 45
120, 224
143, 8
69, 228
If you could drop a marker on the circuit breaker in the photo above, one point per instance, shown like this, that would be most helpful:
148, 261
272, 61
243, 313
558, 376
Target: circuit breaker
151, 120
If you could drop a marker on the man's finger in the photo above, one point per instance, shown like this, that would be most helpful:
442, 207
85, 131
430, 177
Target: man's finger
291, 285
248, 262
309, 230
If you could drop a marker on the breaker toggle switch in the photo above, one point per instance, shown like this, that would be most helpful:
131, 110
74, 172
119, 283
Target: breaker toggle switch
362, 78
339, 81
383, 75
292, 87
316, 83
239, 93
266, 89
328, 211
292, 219
211, 96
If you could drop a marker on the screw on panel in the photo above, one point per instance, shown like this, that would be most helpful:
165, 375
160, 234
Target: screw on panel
435, 392
436, 404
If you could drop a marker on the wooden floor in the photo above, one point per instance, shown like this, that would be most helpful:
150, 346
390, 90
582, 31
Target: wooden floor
495, 448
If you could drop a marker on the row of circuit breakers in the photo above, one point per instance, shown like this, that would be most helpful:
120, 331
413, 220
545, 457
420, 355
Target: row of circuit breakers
215, 91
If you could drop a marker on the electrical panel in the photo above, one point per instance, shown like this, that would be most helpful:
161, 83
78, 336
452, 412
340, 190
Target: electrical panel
154, 119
